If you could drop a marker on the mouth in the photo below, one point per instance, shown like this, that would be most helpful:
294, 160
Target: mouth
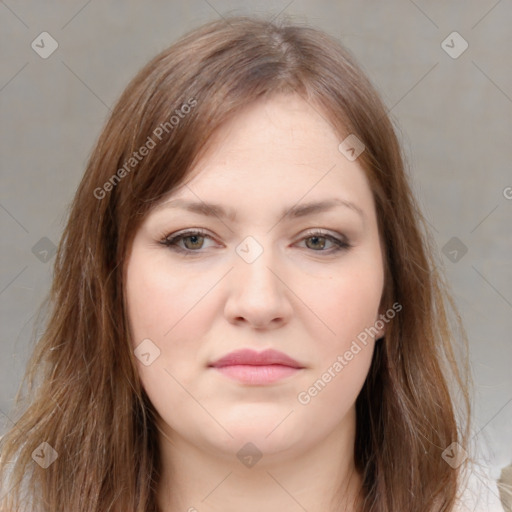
257, 375
257, 368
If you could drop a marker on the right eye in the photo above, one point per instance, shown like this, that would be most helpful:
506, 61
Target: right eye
192, 239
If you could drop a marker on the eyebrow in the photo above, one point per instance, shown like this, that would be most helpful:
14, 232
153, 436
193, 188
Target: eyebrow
295, 211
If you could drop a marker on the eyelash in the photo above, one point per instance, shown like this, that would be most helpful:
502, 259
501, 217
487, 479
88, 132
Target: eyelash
171, 241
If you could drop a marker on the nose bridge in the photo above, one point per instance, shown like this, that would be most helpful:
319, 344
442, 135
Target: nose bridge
257, 294
255, 266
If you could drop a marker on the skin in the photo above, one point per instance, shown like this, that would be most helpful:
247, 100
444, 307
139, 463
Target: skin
298, 297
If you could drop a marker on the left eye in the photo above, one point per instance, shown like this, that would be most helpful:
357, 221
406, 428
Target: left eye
315, 238
193, 241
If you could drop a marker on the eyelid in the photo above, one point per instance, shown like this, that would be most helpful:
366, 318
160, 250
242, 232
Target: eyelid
323, 232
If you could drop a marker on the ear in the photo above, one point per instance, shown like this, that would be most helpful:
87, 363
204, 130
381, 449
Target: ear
384, 318
380, 325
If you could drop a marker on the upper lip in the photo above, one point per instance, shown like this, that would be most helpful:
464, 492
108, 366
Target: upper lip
251, 357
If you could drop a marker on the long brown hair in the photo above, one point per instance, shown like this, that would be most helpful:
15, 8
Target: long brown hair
88, 404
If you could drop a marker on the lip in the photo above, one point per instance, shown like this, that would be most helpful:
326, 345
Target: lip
257, 368
253, 358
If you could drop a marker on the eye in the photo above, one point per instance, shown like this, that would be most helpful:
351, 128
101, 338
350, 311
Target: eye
318, 240
193, 241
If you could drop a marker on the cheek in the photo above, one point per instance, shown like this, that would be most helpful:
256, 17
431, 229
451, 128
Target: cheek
332, 393
160, 300
164, 308
345, 304
348, 306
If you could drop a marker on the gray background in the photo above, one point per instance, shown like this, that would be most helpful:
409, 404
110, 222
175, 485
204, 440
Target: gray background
454, 117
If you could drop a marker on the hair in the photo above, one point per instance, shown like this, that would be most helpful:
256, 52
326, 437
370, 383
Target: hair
89, 405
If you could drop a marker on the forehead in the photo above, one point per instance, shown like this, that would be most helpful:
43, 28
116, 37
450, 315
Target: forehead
279, 151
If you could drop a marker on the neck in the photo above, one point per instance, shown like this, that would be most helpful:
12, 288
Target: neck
322, 478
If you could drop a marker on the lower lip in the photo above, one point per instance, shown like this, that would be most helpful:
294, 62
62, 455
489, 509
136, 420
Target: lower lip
257, 375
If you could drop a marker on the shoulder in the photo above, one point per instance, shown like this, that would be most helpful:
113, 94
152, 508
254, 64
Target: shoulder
481, 494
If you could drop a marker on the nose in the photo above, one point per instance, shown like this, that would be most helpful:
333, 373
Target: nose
258, 294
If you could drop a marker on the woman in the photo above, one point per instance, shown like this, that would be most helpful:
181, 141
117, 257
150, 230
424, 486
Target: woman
246, 311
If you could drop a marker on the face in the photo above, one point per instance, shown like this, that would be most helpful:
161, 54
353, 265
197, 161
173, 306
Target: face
245, 276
